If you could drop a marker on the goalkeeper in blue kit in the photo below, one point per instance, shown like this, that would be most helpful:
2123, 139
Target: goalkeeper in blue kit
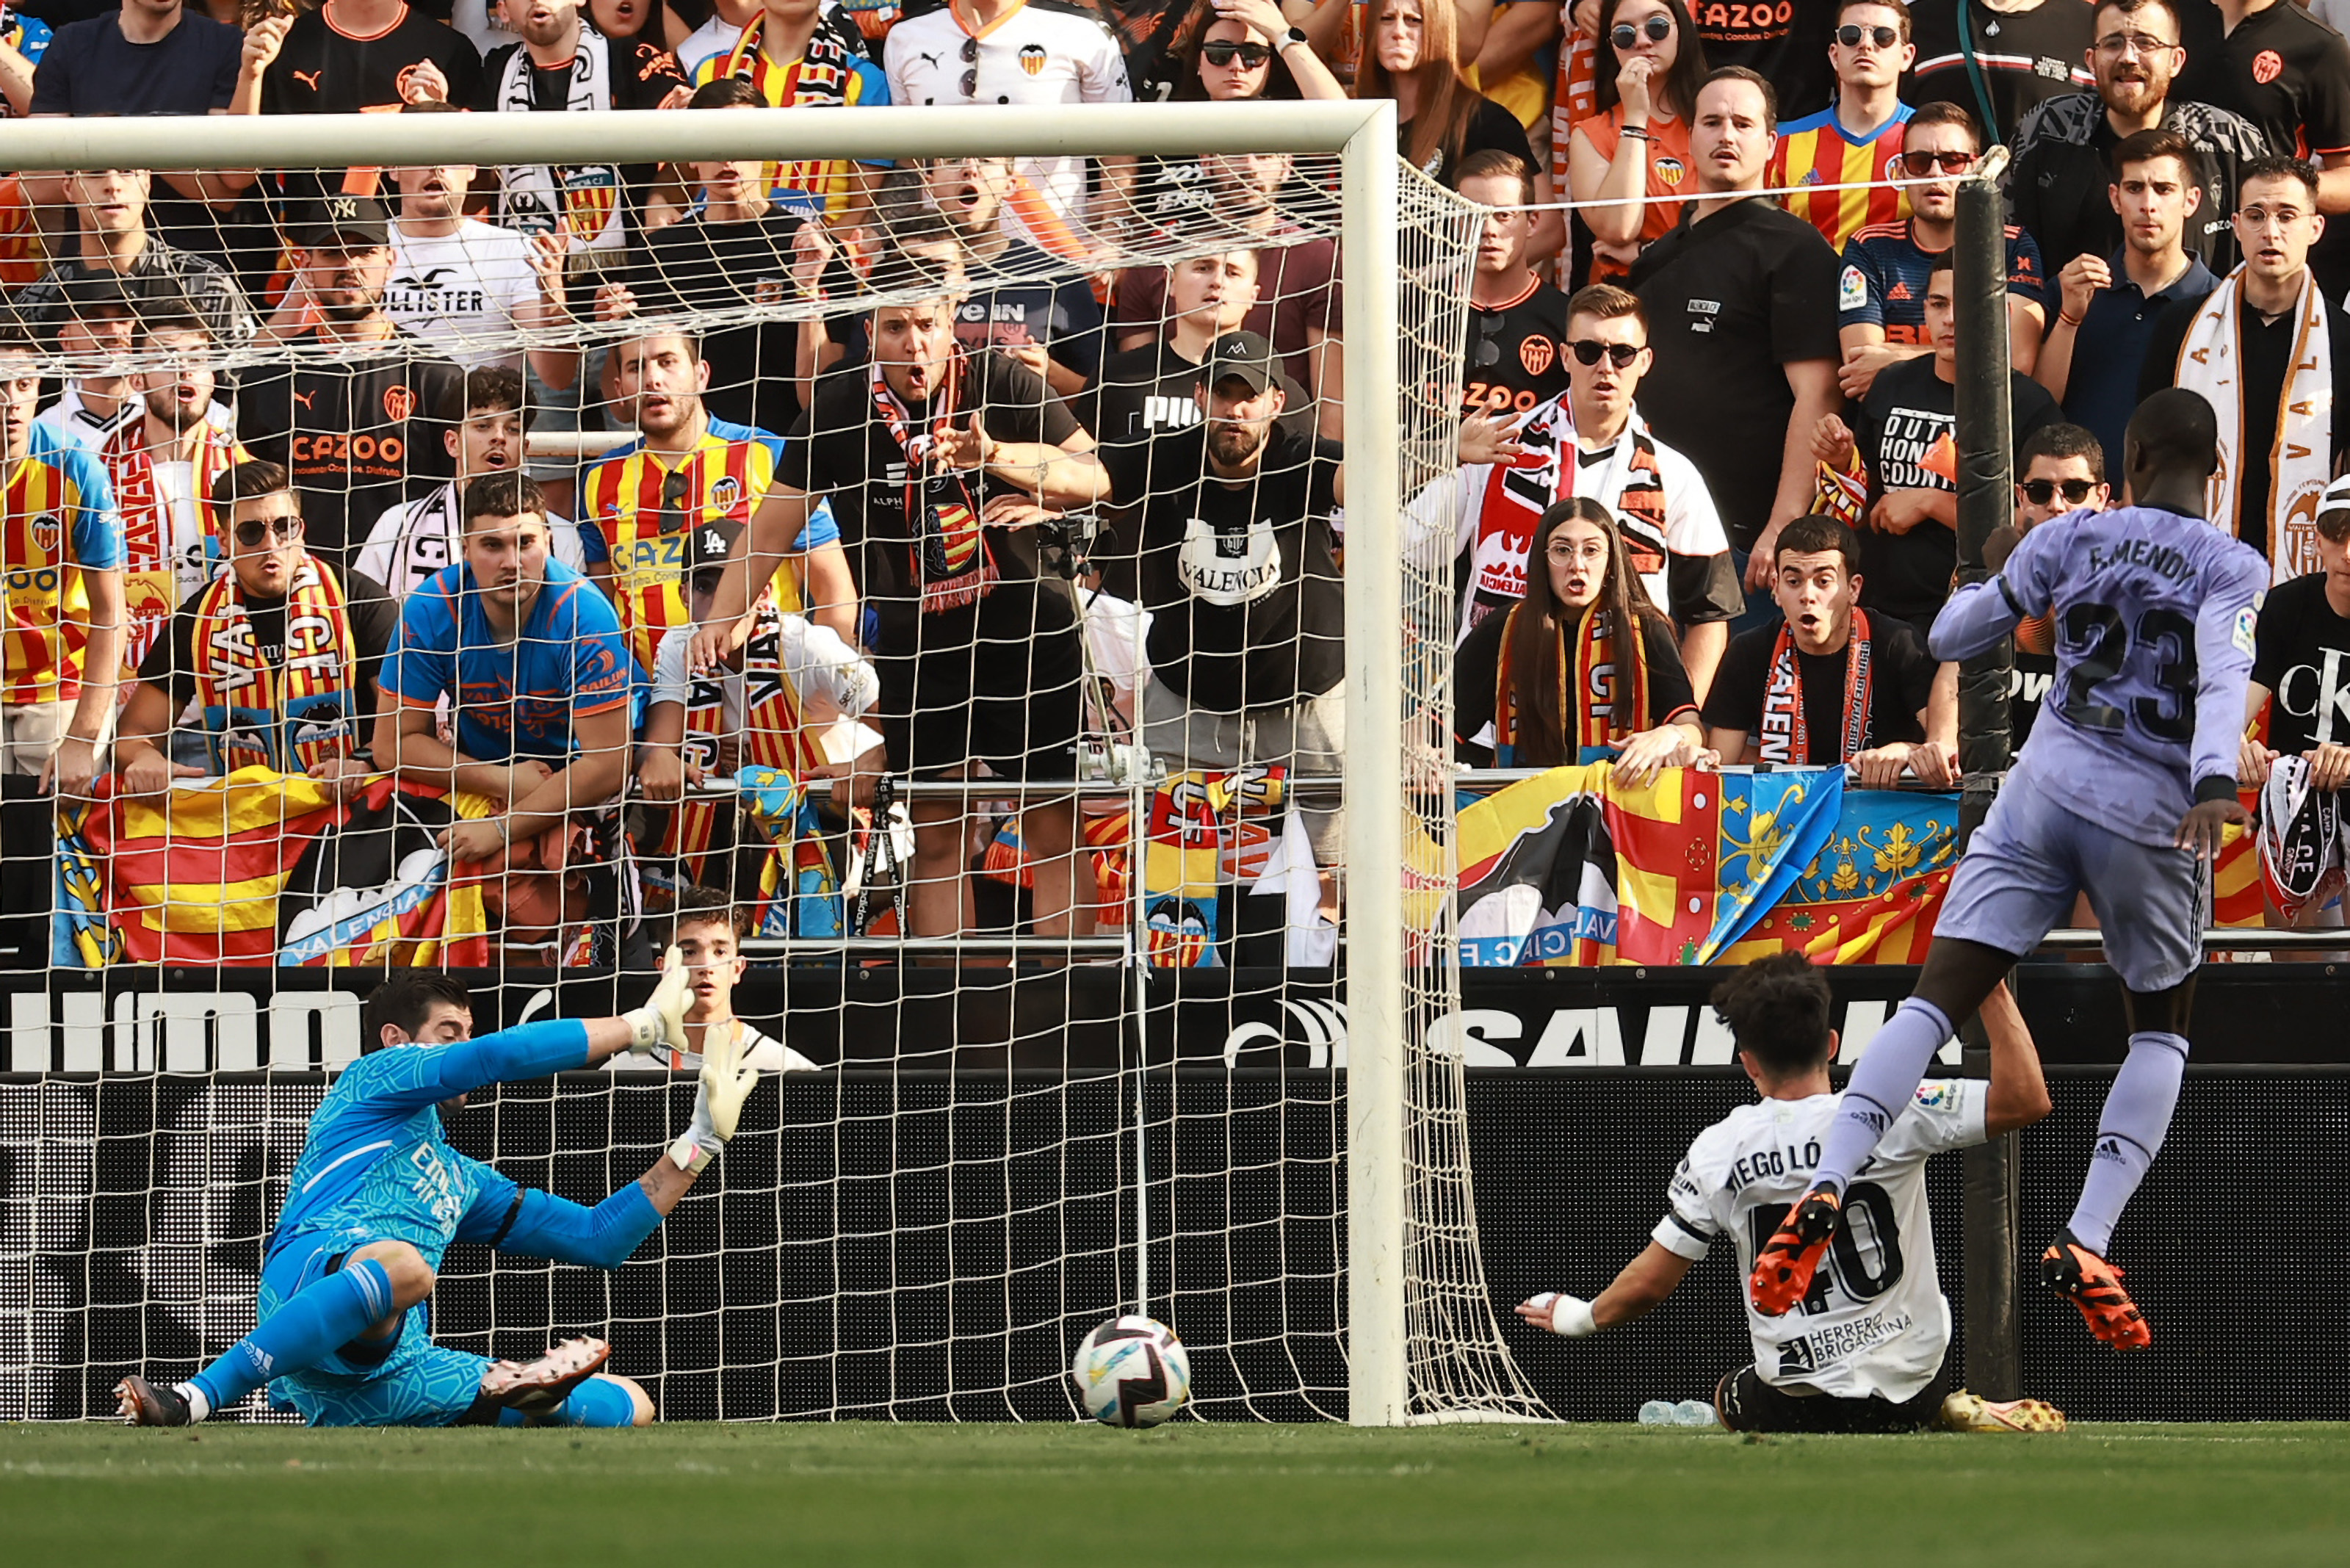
342, 1333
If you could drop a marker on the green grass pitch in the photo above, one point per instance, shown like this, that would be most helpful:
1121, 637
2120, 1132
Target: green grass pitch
1038, 1496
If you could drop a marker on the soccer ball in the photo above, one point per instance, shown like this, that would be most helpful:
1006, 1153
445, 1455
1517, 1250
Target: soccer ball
1131, 1372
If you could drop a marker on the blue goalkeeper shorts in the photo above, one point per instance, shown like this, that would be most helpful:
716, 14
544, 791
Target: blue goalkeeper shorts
416, 1384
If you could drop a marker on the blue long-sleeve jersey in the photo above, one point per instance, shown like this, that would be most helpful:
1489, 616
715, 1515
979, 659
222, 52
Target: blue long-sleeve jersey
377, 1160
2153, 616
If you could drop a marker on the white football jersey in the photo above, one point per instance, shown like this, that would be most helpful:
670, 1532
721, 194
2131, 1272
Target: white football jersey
760, 1050
1875, 1321
412, 541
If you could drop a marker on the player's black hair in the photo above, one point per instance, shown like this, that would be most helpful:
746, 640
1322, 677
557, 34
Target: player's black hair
1810, 535
2061, 440
487, 388
1777, 1011
2174, 429
509, 492
249, 480
154, 326
2145, 146
406, 1000
698, 904
726, 92
2279, 166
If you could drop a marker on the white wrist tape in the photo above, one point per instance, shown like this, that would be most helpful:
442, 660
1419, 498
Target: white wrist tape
689, 1155
1569, 1315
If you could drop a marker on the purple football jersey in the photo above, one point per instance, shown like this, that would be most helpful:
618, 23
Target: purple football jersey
2154, 614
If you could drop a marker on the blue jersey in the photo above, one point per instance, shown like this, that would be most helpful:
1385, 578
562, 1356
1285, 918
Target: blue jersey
2154, 617
1883, 283
518, 699
376, 1159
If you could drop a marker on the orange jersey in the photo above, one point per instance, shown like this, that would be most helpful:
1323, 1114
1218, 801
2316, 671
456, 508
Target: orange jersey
22, 258
636, 509
56, 519
1815, 151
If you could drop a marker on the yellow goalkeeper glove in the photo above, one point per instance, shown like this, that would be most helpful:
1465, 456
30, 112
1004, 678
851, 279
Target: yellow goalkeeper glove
726, 1082
661, 1020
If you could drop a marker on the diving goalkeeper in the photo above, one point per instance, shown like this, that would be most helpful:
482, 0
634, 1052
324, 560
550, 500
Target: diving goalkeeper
378, 1194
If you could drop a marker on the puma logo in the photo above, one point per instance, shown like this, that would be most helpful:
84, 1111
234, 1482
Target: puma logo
307, 79
304, 399
930, 60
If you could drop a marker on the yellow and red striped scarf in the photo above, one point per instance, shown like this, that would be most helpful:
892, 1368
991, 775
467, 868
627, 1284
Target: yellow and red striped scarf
819, 78
1785, 735
289, 715
775, 734
1609, 697
151, 589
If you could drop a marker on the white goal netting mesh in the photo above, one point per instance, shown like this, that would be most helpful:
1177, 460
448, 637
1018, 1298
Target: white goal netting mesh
1022, 773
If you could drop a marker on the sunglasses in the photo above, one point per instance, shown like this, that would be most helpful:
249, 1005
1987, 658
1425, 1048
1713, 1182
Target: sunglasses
1921, 163
1851, 34
254, 530
1658, 28
971, 59
2041, 491
1588, 350
1223, 52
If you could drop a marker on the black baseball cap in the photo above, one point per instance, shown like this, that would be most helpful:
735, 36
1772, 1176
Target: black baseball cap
1244, 357
709, 544
86, 294
345, 221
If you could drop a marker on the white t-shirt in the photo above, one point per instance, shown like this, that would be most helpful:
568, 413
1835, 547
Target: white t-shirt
1876, 1322
70, 421
479, 21
714, 36
763, 1053
457, 291
416, 538
1045, 52
819, 662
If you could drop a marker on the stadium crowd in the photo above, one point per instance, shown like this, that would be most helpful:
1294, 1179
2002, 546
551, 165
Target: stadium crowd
284, 509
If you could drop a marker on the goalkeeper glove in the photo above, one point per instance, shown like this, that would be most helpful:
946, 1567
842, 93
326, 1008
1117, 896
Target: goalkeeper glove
726, 1082
661, 1020
1569, 1315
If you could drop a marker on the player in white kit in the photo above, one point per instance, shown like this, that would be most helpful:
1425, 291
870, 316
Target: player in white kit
1862, 1351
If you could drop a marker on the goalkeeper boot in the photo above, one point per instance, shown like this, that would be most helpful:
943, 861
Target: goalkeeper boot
536, 1387
1784, 1268
145, 1404
1965, 1412
2094, 1285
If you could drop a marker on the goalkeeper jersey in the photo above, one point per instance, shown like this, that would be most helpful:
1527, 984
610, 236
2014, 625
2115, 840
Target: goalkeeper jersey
1875, 1321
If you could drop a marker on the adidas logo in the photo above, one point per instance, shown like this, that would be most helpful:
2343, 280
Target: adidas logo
2107, 1150
1898, 291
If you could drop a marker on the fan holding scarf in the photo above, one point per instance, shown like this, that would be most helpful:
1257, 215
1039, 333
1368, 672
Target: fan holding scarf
1583, 668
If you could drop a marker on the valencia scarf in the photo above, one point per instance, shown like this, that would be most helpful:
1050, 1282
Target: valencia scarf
1784, 737
950, 559
289, 714
581, 202
1609, 700
2210, 362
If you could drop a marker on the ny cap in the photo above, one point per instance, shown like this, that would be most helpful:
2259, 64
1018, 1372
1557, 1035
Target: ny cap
341, 220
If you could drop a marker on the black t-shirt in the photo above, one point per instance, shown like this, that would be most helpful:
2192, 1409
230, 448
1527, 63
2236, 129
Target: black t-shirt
320, 71
2266, 347
1143, 394
2281, 68
1242, 580
1908, 411
1731, 301
1025, 297
1490, 126
1901, 683
353, 432
374, 615
1517, 353
2028, 682
2022, 56
2303, 656
842, 447
696, 264
1787, 43
1477, 666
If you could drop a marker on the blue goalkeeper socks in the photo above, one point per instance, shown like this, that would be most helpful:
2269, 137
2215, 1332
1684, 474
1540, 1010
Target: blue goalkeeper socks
599, 1402
316, 1321
1881, 1088
2137, 1114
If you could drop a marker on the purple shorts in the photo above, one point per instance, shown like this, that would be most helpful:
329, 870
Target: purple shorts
2016, 882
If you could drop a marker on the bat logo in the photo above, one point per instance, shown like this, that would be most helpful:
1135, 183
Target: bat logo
1031, 58
399, 403
1536, 354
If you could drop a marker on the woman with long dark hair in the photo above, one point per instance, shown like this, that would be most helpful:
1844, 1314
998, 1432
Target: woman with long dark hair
1583, 668
1650, 64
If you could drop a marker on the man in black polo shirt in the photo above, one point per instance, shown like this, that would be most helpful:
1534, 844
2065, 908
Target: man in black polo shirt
353, 428
1794, 695
1742, 304
1517, 322
2108, 306
2289, 74
2064, 149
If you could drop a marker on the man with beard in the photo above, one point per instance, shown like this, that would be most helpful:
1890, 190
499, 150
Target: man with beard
277, 657
1145, 392
164, 463
937, 459
415, 539
1999, 57
1039, 311
1239, 571
2065, 146
352, 429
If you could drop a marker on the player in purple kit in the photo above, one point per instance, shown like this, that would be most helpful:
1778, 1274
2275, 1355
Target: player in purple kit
2121, 792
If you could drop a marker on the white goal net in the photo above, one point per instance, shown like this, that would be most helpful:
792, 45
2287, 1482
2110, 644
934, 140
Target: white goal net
1054, 501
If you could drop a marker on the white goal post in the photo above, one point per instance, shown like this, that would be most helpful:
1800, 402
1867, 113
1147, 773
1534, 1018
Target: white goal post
1377, 780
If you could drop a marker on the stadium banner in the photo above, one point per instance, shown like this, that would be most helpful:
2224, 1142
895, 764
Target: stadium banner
129, 1020
133, 1213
